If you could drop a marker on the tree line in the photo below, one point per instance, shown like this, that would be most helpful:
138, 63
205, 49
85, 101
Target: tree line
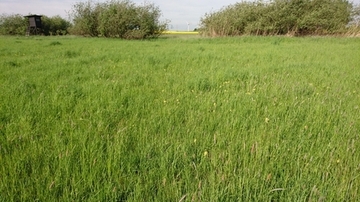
16, 24
125, 19
281, 17
113, 18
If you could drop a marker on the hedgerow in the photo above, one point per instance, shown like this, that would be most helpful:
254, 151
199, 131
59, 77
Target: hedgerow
279, 17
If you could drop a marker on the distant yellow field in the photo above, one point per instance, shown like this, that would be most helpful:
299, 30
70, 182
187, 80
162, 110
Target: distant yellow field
179, 32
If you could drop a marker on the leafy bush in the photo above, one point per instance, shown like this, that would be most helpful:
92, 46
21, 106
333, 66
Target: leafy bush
117, 18
17, 24
55, 25
14, 24
294, 17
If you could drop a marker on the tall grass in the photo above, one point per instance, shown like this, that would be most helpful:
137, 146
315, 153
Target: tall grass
191, 119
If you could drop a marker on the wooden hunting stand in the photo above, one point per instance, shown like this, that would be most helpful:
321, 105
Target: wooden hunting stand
35, 25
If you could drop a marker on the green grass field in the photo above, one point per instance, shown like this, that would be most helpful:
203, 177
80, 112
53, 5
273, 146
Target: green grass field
180, 119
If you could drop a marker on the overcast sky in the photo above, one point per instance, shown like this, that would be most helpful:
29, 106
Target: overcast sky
179, 12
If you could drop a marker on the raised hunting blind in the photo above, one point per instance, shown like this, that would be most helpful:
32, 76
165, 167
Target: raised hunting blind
34, 26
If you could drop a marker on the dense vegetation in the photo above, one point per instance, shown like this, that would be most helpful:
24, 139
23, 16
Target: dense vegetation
12, 24
114, 18
117, 18
198, 119
280, 17
55, 25
16, 24
125, 19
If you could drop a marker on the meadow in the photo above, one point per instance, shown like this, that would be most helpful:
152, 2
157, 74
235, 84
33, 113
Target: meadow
180, 119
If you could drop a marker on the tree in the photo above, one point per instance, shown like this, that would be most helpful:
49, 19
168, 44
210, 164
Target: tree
14, 24
117, 18
85, 18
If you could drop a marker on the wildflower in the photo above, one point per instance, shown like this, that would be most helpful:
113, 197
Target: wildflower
206, 153
267, 120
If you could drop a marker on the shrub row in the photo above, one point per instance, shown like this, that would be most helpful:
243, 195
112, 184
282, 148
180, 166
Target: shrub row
279, 17
16, 24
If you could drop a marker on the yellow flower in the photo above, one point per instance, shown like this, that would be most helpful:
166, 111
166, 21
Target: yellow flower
206, 153
267, 120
